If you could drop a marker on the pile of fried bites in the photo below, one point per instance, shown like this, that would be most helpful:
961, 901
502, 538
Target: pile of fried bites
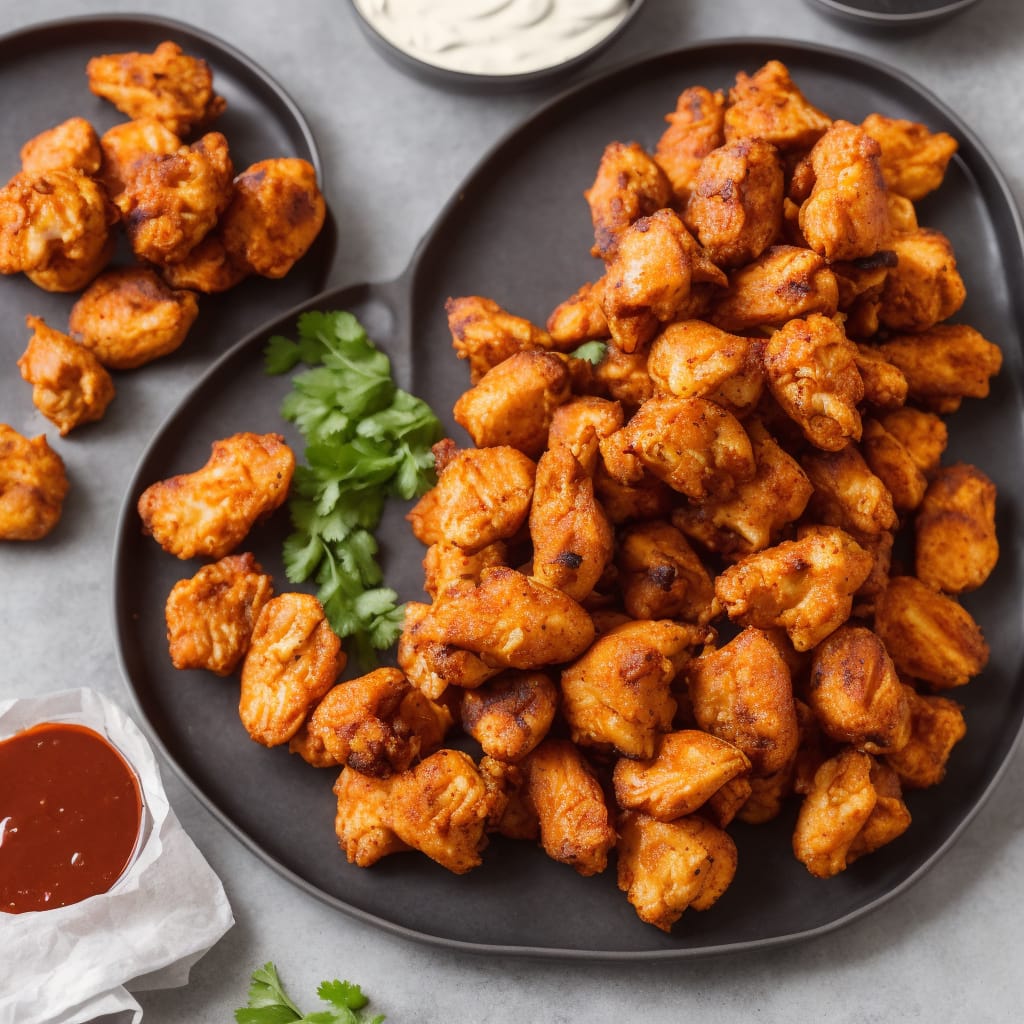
765, 419
192, 225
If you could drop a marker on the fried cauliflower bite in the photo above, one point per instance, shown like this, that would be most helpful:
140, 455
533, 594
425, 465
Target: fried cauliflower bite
362, 821
860, 295
210, 512
846, 216
512, 404
666, 867
913, 159
784, 282
293, 659
847, 494
661, 577
945, 364
695, 128
124, 145
70, 145
885, 384
925, 286
890, 461
928, 635
172, 202
769, 106
448, 566
581, 423
510, 714
485, 334
735, 204
812, 372
55, 227
578, 319
275, 214
936, 726
622, 377
129, 317
482, 495
649, 498
806, 586
211, 616
743, 694
687, 769
629, 185
208, 268
618, 694
890, 818
167, 84
33, 485
570, 807
956, 547
922, 434
759, 509
69, 386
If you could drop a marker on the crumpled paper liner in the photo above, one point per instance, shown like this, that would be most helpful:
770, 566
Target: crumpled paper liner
76, 963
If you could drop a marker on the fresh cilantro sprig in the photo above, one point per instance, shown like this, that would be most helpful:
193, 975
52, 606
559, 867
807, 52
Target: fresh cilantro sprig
269, 1003
366, 440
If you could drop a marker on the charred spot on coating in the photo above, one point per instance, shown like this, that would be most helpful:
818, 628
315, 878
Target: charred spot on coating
568, 559
662, 576
882, 258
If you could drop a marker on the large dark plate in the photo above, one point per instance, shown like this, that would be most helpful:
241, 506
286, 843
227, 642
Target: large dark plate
519, 231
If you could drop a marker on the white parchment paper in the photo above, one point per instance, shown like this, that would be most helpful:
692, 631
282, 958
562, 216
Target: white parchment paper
79, 962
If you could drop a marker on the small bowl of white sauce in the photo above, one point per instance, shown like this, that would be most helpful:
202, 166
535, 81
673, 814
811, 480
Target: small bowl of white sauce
493, 43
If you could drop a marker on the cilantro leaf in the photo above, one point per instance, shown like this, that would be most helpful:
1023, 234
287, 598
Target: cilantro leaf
269, 1003
592, 351
280, 355
342, 994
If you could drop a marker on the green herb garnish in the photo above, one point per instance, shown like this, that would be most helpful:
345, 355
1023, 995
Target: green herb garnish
269, 1003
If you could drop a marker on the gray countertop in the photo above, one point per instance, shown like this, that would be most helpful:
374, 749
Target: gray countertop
394, 150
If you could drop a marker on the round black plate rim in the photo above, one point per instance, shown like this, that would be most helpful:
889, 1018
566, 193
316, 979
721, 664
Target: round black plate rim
887, 18
400, 290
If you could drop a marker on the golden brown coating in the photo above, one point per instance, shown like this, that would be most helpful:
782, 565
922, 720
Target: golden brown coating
629, 185
687, 769
485, 334
55, 227
510, 714
70, 145
170, 203
913, 159
956, 547
923, 434
885, 385
743, 694
846, 215
208, 268
855, 693
928, 635
847, 494
581, 423
661, 577
513, 403
569, 804
482, 495
806, 586
936, 726
622, 377
890, 817
362, 821
649, 498
735, 205
861, 283
769, 105
167, 84
890, 461
812, 371
293, 659
447, 565
129, 317
125, 144
618, 694
33, 485
925, 286
695, 128
211, 615
578, 319
275, 214
665, 867
210, 512
69, 386
782, 283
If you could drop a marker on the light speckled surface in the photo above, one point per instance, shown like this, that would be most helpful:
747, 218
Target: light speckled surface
394, 149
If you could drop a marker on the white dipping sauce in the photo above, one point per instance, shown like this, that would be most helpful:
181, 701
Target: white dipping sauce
493, 37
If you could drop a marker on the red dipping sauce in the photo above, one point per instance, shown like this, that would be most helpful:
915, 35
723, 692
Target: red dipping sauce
70, 816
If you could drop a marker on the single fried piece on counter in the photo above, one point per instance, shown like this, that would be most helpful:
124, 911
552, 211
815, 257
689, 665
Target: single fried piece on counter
70, 145
69, 386
210, 512
211, 616
33, 485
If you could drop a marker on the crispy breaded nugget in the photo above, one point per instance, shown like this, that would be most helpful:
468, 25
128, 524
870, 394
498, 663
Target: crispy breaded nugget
847, 494
208, 268
885, 385
127, 143
129, 317
210, 512
890, 461
485, 334
362, 821
567, 799
447, 565
578, 319
936, 726
806, 586
70, 145
695, 128
861, 283
928, 635
211, 615
955, 530
913, 159
33, 485
622, 377
580, 424
166, 84
889, 819
69, 386
923, 434
293, 659
665, 867
510, 714
925, 286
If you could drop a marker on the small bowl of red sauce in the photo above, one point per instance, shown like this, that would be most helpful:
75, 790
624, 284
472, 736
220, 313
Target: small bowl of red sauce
72, 816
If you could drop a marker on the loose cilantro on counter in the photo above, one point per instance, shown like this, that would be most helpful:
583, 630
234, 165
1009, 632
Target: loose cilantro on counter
269, 1003
366, 440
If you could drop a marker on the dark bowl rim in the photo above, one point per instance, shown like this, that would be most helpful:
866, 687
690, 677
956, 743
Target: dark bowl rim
884, 18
